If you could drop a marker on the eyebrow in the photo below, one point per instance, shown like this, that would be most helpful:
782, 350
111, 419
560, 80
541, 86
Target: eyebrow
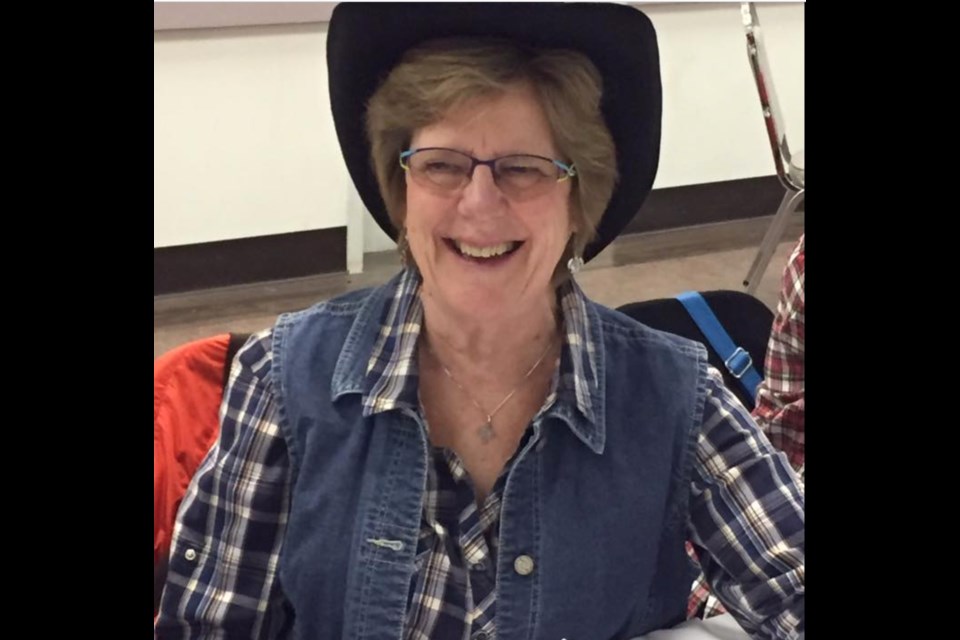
497, 155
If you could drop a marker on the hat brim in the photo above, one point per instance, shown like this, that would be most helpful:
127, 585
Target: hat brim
366, 40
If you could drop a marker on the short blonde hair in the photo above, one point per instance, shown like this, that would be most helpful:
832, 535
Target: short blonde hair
440, 75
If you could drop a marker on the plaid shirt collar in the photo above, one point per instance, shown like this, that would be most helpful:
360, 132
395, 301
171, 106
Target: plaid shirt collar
391, 380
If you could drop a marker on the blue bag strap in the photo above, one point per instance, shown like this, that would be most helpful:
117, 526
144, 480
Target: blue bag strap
737, 360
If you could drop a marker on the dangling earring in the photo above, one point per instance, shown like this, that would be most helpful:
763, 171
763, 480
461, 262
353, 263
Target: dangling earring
575, 263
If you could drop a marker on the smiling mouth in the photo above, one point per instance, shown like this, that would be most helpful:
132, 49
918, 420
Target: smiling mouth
490, 254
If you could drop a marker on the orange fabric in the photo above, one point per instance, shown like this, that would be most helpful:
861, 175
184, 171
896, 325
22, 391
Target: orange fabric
187, 391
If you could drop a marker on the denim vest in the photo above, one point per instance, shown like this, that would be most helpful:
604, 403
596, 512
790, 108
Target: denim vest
598, 505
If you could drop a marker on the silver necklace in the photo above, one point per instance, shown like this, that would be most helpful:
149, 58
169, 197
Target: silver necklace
485, 431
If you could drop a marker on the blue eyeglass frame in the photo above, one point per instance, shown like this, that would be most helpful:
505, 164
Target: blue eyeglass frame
569, 170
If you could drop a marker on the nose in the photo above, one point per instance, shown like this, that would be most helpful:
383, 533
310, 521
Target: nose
482, 195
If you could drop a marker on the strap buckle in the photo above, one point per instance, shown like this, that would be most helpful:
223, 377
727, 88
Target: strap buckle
738, 363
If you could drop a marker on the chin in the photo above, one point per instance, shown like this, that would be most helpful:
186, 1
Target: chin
478, 301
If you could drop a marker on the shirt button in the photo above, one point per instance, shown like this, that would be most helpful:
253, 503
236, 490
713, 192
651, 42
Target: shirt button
190, 555
541, 444
523, 565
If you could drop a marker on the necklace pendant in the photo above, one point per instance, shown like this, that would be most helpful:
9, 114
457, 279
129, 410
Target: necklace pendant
485, 432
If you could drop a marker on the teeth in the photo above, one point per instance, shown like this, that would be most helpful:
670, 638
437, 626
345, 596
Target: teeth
485, 252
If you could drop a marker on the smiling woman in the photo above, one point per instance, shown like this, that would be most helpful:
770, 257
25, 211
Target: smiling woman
448, 230
476, 449
564, 90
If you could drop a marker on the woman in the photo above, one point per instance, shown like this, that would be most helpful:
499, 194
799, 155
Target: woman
475, 450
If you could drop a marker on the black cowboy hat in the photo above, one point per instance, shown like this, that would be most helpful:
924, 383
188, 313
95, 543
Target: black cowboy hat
366, 39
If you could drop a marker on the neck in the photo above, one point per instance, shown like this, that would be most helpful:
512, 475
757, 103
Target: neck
501, 348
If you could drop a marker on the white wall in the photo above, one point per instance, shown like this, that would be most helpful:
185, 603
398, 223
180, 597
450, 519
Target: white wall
713, 128
244, 143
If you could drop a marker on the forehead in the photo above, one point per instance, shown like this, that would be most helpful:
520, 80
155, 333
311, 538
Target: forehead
510, 122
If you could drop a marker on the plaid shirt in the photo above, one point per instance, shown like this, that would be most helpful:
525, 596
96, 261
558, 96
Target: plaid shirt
779, 410
452, 594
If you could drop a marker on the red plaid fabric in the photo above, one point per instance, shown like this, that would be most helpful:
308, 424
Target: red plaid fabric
779, 410
702, 604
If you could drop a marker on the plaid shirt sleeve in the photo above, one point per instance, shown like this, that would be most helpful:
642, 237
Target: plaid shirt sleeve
779, 410
701, 603
222, 580
747, 519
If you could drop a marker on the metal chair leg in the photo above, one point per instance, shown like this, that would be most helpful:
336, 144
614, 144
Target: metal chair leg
791, 200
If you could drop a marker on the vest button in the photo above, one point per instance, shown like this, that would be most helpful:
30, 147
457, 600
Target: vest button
523, 565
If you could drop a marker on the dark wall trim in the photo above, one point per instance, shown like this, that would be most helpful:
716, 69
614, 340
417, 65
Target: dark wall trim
247, 260
695, 204
309, 253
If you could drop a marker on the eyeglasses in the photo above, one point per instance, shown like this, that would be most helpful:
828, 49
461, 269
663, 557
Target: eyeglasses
518, 176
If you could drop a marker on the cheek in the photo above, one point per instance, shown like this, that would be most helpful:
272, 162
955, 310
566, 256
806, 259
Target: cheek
418, 211
552, 232
557, 222
424, 216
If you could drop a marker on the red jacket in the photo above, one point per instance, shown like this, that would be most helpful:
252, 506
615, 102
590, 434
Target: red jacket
187, 389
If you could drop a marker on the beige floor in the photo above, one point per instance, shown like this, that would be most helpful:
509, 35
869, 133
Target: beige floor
634, 268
